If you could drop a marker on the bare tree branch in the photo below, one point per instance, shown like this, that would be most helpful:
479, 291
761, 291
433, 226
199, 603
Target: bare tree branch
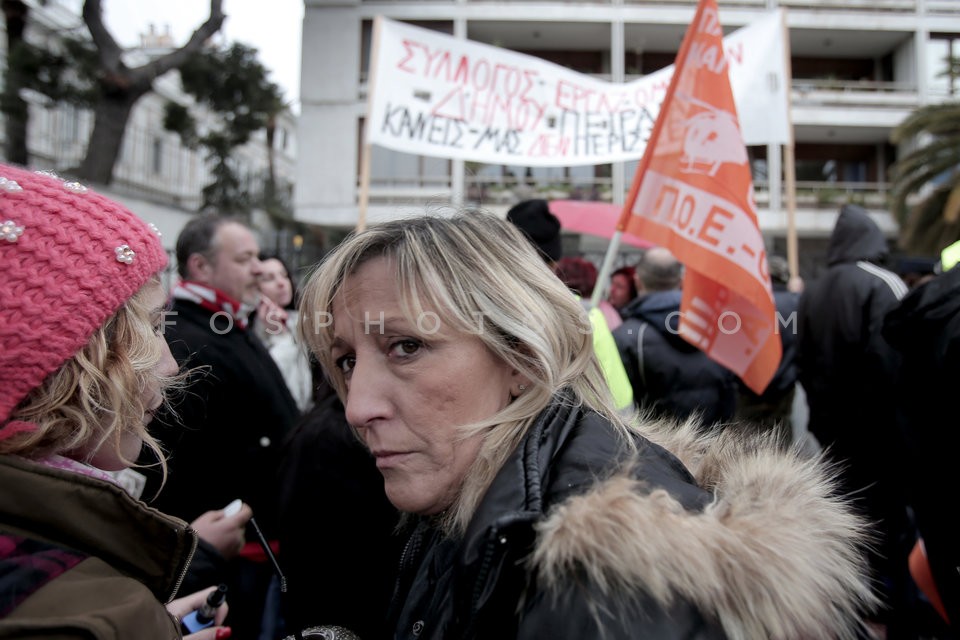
107, 48
176, 58
120, 87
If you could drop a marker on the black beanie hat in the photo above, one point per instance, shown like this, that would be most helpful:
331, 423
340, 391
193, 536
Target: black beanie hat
533, 217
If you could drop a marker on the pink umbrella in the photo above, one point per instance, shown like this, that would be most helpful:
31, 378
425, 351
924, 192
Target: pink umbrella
595, 219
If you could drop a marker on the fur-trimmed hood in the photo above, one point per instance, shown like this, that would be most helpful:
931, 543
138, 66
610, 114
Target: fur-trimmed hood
588, 532
773, 554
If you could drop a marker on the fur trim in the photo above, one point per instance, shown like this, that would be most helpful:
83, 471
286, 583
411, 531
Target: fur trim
776, 554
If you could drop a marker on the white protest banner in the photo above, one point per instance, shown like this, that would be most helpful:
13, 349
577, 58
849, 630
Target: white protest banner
436, 95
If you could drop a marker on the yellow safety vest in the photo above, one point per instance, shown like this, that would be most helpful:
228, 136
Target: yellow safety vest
609, 356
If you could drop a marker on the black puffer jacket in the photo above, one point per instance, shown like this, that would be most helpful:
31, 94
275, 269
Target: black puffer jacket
846, 366
578, 537
668, 374
848, 371
925, 329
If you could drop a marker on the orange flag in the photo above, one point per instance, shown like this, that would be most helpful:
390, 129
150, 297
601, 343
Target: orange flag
694, 195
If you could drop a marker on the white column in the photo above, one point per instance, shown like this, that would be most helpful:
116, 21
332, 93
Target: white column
617, 74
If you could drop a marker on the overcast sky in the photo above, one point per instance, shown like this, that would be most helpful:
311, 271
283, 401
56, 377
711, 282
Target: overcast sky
273, 28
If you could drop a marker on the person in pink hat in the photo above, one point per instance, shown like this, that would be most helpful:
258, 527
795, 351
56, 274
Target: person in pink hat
83, 366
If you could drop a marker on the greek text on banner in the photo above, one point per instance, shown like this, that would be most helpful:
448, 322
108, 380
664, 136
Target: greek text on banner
437, 95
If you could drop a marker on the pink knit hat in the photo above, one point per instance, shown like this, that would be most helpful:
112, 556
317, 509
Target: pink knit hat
69, 259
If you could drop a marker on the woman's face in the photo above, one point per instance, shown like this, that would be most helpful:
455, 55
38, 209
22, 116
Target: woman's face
408, 388
106, 456
619, 291
275, 282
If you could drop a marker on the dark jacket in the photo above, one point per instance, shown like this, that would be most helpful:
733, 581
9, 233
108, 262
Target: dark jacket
925, 329
225, 438
577, 537
79, 558
845, 365
338, 543
784, 379
668, 374
773, 409
848, 371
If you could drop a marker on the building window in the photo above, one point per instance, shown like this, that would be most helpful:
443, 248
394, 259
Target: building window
943, 77
71, 123
156, 157
393, 169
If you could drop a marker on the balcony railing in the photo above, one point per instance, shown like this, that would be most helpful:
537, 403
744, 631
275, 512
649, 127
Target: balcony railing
497, 192
865, 94
932, 7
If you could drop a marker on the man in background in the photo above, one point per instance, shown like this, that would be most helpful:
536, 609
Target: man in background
772, 409
225, 431
669, 376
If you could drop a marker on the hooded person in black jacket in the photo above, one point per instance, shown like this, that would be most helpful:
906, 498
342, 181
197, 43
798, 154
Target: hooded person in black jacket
925, 329
670, 376
848, 370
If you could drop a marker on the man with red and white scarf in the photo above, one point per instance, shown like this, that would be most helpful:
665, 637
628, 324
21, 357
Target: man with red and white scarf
226, 429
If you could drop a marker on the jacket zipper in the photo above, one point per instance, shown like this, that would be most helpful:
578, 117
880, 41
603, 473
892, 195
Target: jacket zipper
482, 573
186, 565
415, 539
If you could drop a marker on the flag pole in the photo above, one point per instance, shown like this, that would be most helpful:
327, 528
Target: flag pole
364, 196
605, 269
614, 245
367, 149
789, 161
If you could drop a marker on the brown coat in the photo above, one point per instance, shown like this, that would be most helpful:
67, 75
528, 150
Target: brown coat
135, 556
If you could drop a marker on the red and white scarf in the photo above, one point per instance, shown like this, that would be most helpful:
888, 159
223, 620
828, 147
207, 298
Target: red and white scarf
213, 300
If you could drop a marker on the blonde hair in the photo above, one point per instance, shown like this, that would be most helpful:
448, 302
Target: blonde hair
95, 397
481, 275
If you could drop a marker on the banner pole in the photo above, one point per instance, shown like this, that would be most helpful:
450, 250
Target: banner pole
614, 246
793, 245
789, 162
366, 149
364, 196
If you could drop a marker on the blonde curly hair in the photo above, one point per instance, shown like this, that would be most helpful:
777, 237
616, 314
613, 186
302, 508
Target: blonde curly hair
95, 398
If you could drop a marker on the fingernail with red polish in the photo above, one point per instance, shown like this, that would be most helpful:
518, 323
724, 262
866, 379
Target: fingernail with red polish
223, 633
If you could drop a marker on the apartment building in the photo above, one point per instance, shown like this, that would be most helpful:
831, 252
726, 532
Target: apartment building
859, 67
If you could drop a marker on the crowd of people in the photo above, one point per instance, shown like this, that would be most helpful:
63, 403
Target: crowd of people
437, 436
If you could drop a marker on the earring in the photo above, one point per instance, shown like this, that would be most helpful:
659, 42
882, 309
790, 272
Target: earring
522, 388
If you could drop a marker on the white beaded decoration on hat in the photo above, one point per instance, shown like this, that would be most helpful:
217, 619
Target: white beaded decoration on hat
10, 232
125, 254
74, 187
9, 185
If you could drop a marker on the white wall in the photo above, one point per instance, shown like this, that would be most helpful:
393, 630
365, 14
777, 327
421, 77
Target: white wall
327, 132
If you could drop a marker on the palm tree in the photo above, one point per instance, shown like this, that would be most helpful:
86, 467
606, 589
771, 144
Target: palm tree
931, 172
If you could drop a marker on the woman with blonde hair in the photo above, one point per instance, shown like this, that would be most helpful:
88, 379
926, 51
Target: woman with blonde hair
536, 511
83, 366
